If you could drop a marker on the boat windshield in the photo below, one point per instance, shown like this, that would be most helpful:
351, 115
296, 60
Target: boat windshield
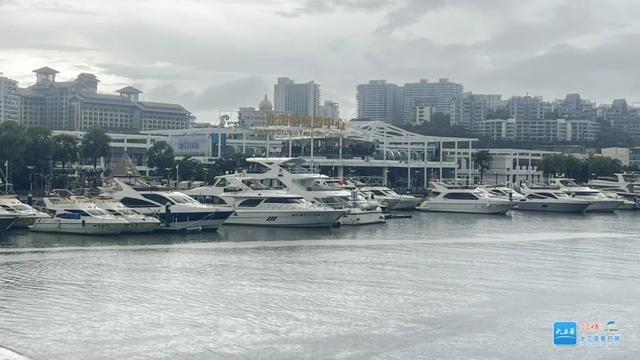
22, 207
568, 183
254, 184
97, 212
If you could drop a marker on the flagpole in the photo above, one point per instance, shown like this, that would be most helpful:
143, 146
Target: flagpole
6, 177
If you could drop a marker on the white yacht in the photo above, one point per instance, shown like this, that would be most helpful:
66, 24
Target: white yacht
288, 174
463, 199
396, 201
625, 182
138, 222
599, 201
26, 215
176, 210
258, 205
549, 199
77, 215
502, 191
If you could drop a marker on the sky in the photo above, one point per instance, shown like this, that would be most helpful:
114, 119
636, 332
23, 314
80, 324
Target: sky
217, 55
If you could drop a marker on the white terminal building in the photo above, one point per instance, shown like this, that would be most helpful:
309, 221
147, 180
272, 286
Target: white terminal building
401, 158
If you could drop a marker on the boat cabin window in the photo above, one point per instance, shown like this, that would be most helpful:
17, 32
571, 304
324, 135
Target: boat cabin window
250, 203
435, 193
22, 207
134, 203
210, 199
254, 184
378, 192
460, 196
585, 193
547, 195
114, 212
283, 201
76, 211
535, 196
498, 192
156, 198
182, 199
8, 208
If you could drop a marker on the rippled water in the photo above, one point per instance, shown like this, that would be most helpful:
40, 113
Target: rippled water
434, 286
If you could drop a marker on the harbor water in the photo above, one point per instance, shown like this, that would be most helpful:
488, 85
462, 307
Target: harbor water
435, 286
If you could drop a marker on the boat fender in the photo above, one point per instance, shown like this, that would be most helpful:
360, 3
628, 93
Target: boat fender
83, 222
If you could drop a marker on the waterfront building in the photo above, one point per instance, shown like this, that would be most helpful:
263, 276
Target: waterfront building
251, 117
77, 105
298, 98
526, 108
379, 101
330, 110
548, 130
627, 156
468, 109
424, 113
9, 100
441, 93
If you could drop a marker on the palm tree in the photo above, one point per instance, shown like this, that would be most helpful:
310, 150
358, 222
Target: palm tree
482, 160
95, 144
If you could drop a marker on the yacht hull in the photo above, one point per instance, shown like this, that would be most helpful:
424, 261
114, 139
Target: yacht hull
478, 208
191, 220
550, 206
141, 226
362, 217
407, 204
5, 223
273, 218
66, 226
604, 206
23, 222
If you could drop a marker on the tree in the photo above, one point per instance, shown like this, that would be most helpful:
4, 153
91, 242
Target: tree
482, 160
188, 168
65, 149
38, 146
95, 144
161, 157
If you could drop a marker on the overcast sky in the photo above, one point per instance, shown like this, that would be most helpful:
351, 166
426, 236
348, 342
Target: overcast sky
220, 54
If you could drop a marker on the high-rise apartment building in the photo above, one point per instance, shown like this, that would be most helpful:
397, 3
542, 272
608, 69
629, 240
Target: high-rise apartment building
298, 98
379, 100
467, 109
419, 93
9, 100
526, 108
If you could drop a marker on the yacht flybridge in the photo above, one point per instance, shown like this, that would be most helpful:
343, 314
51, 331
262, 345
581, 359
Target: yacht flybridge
319, 189
174, 209
598, 201
258, 205
463, 199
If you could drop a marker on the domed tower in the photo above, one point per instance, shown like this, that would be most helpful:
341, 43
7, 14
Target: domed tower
265, 105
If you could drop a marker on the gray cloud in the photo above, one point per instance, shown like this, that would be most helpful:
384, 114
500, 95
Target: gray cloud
221, 54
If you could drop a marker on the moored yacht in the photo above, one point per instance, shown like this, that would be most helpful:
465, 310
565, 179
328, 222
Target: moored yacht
258, 205
463, 199
396, 201
175, 210
138, 222
626, 182
599, 202
25, 214
317, 188
549, 199
77, 215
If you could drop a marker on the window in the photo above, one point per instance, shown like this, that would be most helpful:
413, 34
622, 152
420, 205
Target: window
182, 199
75, 211
134, 203
460, 196
283, 201
250, 203
535, 196
156, 198
221, 182
378, 192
